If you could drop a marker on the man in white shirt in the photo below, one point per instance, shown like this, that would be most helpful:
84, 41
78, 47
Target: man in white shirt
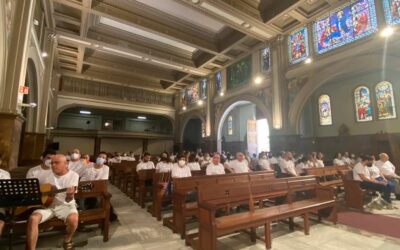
145, 163
63, 206
287, 165
338, 160
215, 167
98, 170
42, 171
388, 170
4, 175
75, 163
362, 174
264, 162
240, 165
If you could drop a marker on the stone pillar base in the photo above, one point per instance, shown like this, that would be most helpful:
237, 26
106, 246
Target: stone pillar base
10, 136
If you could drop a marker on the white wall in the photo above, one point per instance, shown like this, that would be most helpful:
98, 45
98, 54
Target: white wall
121, 145
86, 145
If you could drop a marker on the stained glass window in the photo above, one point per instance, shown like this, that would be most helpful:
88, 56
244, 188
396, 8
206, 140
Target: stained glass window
362, 101
230, 125
192, 94
298, 45
203, 89
344, 25
218, 82
325, 112
392, 11
239, 73
265, 59
385, 101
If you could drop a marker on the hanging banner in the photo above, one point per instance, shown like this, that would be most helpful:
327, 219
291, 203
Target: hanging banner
252, 136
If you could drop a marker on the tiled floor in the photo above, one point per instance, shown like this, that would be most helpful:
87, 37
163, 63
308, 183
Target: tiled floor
136, 229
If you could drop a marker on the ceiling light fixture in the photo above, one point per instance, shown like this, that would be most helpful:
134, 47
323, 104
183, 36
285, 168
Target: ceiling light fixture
142, 117
50, 128
246, 25
308, 61
85, 112
200, 102
387, 32
258, 80
221, 94
184, 108
44, 54
35, 22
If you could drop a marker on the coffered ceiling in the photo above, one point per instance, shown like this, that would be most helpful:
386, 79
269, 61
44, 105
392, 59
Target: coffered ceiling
165, 45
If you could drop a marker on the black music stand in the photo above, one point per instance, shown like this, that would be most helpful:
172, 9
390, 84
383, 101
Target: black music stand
16, 193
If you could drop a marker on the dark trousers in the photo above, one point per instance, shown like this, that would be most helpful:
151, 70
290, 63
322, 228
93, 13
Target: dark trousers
384, 189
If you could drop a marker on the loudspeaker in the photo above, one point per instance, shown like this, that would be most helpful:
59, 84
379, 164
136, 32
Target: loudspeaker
55, 146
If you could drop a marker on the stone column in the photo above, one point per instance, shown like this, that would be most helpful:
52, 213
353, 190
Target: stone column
277, 59
17, 58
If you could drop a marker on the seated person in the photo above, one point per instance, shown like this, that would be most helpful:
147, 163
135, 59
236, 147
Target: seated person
181, 169
301, 165
320, 160
287, 165
165, 164
338, 160
86, 160
4, 175
362, 174
98, 170
264, 163
42, 171
240, 165
145, 163
215, 167
76, 163
193, 164
63, 206
388, 170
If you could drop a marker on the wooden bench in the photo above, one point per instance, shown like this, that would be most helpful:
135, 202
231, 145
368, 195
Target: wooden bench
99, 215
213, 197
183, 209
160, 183
354, 195
327, 176
144, 177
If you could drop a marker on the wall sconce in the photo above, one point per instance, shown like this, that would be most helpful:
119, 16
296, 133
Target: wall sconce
28, 105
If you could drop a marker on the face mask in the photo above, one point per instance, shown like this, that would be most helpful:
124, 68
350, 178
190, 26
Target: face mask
100, 161
47, 163
181, 163
74, 156
207, 158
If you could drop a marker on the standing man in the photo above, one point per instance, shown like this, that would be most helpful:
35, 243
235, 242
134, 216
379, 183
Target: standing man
42, 171
63, 206
215, 167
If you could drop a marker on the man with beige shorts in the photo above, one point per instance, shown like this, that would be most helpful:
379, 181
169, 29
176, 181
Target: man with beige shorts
63, 207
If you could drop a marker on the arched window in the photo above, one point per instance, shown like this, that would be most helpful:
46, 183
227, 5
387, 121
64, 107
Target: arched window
362, 101
385, 101
325, 113
230, 125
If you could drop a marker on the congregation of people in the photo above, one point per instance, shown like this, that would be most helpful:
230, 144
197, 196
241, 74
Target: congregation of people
65, 171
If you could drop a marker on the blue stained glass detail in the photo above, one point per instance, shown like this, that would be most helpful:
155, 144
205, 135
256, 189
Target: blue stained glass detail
298, 45
344, 25
391, 9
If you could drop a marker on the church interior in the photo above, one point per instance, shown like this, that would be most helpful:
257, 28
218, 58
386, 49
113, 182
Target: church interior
200, 124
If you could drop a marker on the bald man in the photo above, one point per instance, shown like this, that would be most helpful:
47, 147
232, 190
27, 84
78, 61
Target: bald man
388, 170
63, 206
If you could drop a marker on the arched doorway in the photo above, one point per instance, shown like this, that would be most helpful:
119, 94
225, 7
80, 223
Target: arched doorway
192, 134
243, 127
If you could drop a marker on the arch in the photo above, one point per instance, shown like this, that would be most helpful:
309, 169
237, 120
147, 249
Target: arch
232, 103
349, 66
191, 115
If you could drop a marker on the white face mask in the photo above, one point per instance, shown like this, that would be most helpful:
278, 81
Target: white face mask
75, 156
181, 163
100, 161
47, 163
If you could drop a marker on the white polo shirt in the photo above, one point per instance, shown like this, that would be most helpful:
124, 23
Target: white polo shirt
93, 174
77, 167
215, 169
145, 165
39, 173
194, 166
287, 167
265, 165
338, 162
180, 172
164, 167
387, 168
239, 167
359, 168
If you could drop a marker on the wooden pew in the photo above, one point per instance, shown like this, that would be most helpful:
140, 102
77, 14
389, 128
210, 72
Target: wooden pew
354, 195
160, 183
145, 177
99, 215
183, 209
327, 176
213, 197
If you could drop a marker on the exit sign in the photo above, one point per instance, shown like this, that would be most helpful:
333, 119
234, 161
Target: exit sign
23, 90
